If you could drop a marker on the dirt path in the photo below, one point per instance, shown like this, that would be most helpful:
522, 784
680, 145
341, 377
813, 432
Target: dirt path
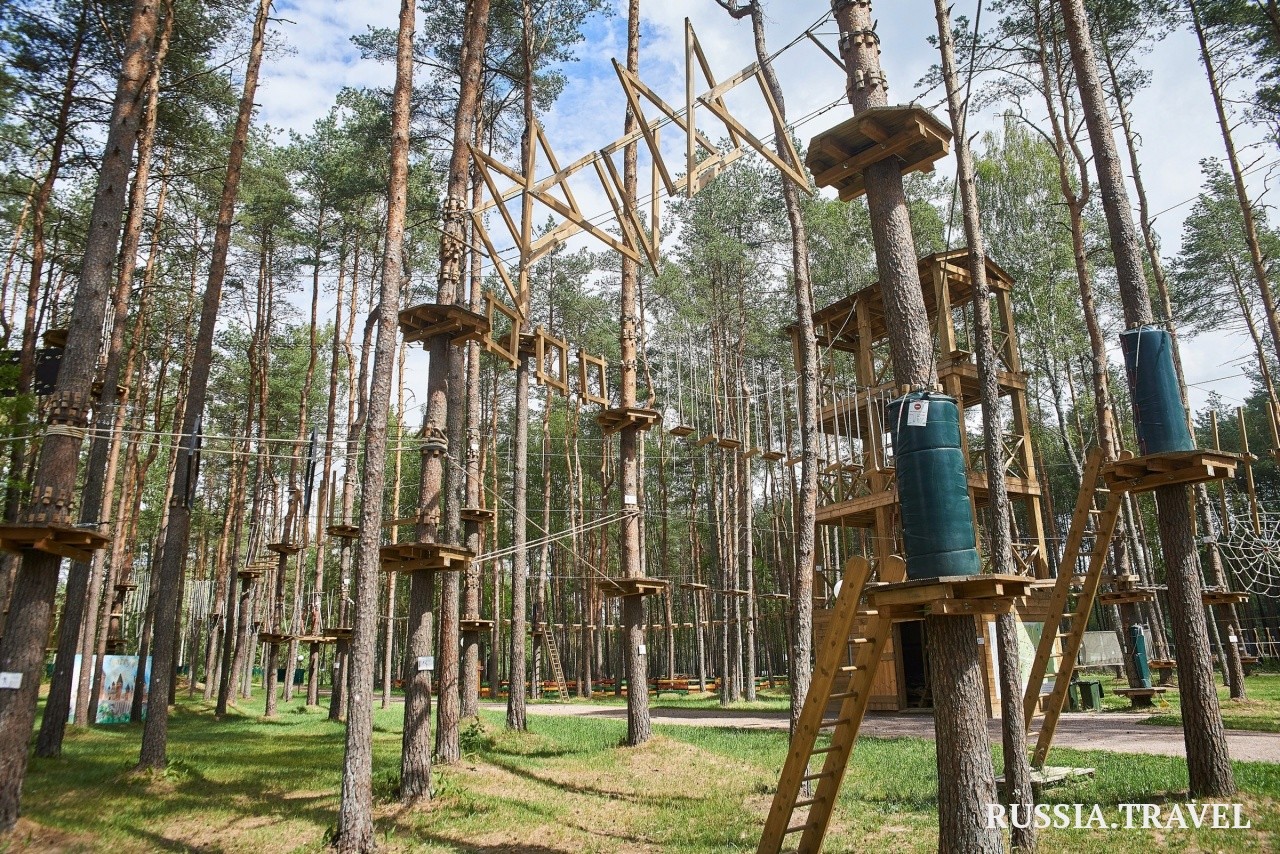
1114, 731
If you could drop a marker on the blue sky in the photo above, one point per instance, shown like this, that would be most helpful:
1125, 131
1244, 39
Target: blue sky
1174, 115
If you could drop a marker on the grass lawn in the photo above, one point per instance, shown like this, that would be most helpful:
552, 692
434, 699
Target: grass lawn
1259, 712
247, 784
767, 700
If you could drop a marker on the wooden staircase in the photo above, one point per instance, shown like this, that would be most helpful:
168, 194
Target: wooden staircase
1094, 519
843, 672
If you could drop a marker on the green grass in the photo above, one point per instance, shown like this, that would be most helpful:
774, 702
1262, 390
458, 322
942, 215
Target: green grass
1260, 711
249, 784
767, 700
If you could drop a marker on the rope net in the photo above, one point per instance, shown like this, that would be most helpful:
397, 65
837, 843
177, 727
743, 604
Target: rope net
1254, 555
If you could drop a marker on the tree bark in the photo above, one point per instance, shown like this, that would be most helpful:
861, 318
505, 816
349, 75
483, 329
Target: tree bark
1017, 768
32, 601
156, 730
1208, 763
355, 831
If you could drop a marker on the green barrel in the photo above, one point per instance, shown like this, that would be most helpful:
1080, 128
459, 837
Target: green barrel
933, 486
1158, 413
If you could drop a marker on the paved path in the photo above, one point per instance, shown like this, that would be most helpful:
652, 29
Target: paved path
1115, 731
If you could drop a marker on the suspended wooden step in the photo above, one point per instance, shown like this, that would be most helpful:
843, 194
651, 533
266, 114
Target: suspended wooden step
736, 592
772, 456
1143, 474
681, 430
275, 637
694, 587
612, 588
343, 532
551, 361
476, 626
338, 632
782, 597
284, 548
706, 440
1224, 597
67, 541
613, 420
1089, 520
314, 639
126, 587
421, 323
251, 573
479, 515
729, 444
909, 134
424, 557
751, 453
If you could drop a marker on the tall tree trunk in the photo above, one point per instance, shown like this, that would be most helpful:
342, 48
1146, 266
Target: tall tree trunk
156, 731
966, 780
35, 588
355, 833
1208, 763
1017, 768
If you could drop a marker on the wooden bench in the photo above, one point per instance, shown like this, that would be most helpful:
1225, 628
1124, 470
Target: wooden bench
671, 686
1140, 698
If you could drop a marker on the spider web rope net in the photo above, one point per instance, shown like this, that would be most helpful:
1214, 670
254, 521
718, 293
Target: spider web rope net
1254, 556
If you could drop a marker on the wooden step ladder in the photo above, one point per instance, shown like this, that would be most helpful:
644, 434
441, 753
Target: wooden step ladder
1088, 521
843, 671
557, 670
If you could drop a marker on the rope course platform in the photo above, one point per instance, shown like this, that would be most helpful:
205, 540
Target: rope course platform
67, 541
951, 595
284, 548
911, 134
343, 532
479, 515
276, 637
613, 420
477, 626
1224, 597
1143, 474
681, 430
424, 557
338, 633
624, 587
693, 586
423, 322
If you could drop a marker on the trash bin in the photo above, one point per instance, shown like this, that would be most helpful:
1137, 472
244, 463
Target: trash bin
1085, 695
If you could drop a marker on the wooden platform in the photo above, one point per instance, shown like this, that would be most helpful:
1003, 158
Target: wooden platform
343, 532
424, 557
681, 430
706, 440
284, 548
954, 595
338, 632
481, 515
275, 637
613, 420
910, 134
480, 626
421, 323
1143, 474
250, 574
1224, 597
67, 541
729, 444
1140, 698
315, 639
694, 587
616, 587
772, 456
1126, 597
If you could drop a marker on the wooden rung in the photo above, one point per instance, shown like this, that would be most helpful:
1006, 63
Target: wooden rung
818, 750
843, 694
858, 641
807, 803
797, 828
851, 668
807, 778
830, 722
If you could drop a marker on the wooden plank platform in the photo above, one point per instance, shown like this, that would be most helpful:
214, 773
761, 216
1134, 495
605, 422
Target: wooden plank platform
1224, 597
957, 594
706, 440
681, 430
623, 587
1143, 474
275, 637
343, 532
67, 541
424, 557
1126, 597
729, 444
910, 134
480, 626
692, 586
338, 632
251, 574
284, 548
421, 323
1140, 698
772, 456
482, 515
315, 639
613, 420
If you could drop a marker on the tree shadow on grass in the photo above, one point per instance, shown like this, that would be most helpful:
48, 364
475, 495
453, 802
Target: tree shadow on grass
644, 799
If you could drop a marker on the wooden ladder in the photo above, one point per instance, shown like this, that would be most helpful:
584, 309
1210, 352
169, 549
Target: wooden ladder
1102, 520
843, 671
557, 671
